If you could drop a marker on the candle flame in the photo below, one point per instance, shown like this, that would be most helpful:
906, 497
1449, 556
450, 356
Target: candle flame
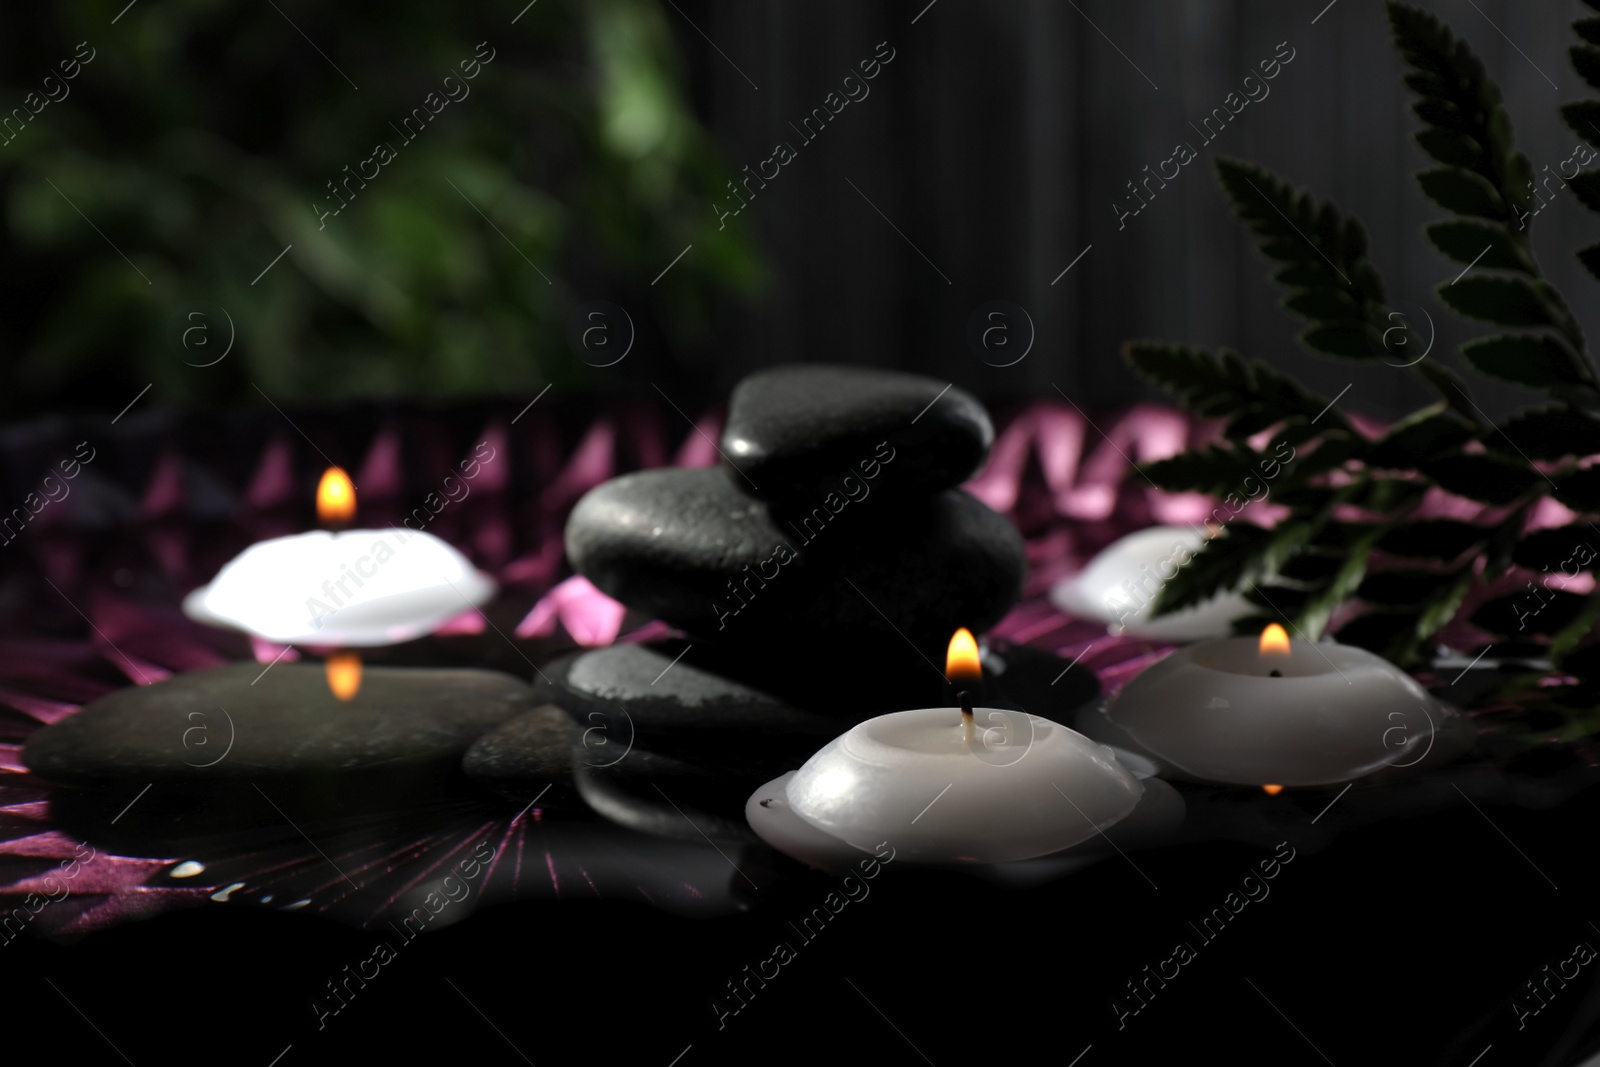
1272, 790
961, 663
344, 674
336, 497
1274, 641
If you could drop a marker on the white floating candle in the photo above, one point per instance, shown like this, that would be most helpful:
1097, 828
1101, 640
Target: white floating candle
912, 779
1156, 817
982, 785
1278, 711
1118, 586
350, 589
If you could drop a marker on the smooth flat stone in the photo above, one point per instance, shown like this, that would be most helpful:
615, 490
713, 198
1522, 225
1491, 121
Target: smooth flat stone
528, 756
215, 725
687, 546
666, 681
798, 431
665, 690
660, 698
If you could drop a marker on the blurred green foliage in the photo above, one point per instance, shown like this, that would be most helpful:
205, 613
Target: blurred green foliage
200, 140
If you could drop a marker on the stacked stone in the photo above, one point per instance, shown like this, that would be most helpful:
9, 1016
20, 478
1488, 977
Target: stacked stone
833, 536
819, 574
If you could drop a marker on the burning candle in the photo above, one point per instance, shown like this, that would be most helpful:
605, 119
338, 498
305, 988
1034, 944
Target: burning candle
351, 589
1274, 712
944, 785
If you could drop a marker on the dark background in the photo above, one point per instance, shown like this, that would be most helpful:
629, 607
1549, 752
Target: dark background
1003, 132
1402, 946
598, 142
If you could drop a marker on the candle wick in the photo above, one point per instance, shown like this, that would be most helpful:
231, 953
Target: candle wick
967, 722
1276, 674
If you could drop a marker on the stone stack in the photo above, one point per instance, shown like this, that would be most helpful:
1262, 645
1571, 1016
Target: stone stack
832, 539
818, 575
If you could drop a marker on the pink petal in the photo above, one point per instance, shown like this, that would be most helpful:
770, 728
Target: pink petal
164, 495
494, 475
268, 651
468, 622
273, 483
591, 617
699, 449
381, 476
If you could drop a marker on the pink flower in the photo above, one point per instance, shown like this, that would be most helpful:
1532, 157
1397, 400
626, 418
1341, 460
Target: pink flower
591, 617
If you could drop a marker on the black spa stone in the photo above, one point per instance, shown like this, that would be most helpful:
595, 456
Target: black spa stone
667, 689
215, 726
528, 756
797, 432
687, 546
665, 699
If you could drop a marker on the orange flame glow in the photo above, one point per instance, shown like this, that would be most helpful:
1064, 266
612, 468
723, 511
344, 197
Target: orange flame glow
1274, 641
336, 497
961, 663
1272, 790
344, 674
